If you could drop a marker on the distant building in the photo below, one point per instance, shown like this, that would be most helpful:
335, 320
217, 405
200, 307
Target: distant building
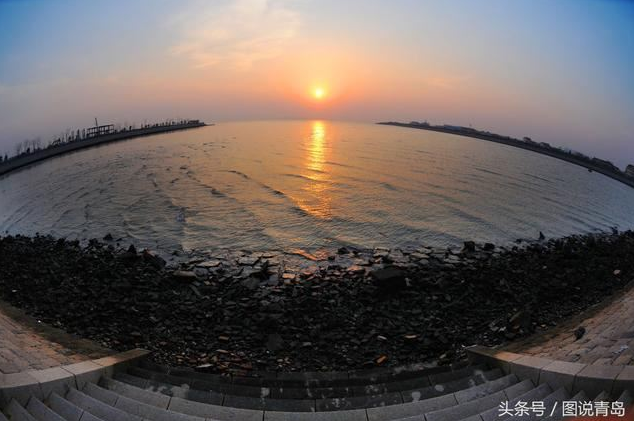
629, 171
99, 130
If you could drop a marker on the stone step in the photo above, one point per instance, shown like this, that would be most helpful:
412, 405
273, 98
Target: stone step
552, 404
270, 404
178, 409
41, 412
467, 409
199, 384
17, 412
97, 408
602, 397
448, 376
626, 398
447, 406
359, 402
558, 415
511, 396
159, 399
203, 396
68, 410
134, 407
161, 380
450, 387
320, 379
411, 409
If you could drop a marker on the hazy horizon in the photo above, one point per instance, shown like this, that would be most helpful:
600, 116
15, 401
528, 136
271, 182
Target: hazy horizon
557, 72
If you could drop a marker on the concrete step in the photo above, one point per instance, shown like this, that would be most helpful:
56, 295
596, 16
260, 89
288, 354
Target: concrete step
447, 407
41, 412
626, 398
558, 415
288, 405
467, 409
418, 394
359, 402
17, 412
314, 379
178, 409
161, 380
602, 397
203, 396
552, 404
534, 394
68, 410
97, 408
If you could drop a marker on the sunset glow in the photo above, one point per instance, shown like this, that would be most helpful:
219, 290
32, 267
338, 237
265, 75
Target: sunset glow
244, 59
319, 93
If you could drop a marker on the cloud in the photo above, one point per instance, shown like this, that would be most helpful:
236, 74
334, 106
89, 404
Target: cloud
236, 35
447, 82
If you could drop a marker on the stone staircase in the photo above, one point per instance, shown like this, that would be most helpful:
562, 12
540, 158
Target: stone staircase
135, 389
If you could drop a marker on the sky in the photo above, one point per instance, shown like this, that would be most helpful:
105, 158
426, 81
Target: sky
556, 71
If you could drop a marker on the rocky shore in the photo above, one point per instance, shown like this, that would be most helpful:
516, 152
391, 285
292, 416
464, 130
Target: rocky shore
299, 311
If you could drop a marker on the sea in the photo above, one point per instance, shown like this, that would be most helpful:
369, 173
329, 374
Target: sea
309, 185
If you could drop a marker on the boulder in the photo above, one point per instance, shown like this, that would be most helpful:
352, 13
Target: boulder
469, 247
274, 342
184, 275
389, 278
153, 259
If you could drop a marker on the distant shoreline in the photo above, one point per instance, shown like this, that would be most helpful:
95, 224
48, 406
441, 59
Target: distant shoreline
522, 145
43, 154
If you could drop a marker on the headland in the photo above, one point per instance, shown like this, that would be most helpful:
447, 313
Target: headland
592, 164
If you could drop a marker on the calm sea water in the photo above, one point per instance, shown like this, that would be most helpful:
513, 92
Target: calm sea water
309, 184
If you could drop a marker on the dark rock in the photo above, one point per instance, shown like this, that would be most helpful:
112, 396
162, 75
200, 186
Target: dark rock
520, 320
274, 342
579, 332
184, 275
108, 237
132, 249
389, 278
251, 283
469, 246
541, 236
489, 246
343, 250
154, 259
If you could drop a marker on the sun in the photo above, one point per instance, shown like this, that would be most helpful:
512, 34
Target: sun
319, 93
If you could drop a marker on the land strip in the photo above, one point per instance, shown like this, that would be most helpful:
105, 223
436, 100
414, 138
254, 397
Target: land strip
40, 155
619, 176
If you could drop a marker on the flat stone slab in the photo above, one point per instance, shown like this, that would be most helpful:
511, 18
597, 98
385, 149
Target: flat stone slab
560, 374
594, 379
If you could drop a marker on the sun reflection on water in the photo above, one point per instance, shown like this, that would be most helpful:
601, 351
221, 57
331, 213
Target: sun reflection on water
317, 200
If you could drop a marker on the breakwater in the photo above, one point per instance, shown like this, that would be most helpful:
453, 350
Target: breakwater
522, 145
43, 154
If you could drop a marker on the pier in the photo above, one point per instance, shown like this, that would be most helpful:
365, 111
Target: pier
42, 154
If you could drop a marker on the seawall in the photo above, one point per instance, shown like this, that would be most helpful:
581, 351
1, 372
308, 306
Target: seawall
43, 154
